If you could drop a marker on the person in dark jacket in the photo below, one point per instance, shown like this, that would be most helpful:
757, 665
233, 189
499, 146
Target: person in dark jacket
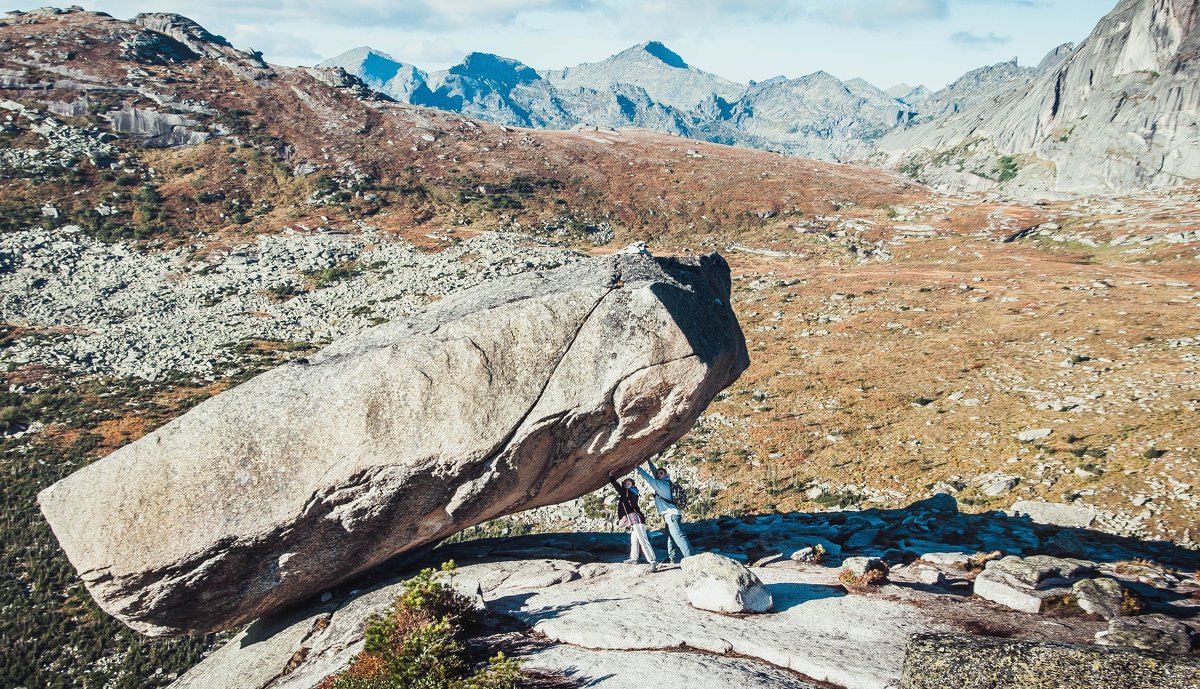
629, 515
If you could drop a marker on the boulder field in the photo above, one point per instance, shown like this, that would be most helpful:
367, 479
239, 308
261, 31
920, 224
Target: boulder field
518, 394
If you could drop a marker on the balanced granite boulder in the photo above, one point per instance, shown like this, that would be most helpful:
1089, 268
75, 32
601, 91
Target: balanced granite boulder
721, 584
513, 395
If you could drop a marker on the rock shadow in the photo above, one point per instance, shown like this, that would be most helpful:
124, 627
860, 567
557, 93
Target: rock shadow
791, 595
532, 617
934, 525
899, 536
709, 324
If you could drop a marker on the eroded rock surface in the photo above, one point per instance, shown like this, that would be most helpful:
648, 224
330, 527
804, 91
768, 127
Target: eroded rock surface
1030, 584
935, 661
613, 618
1101, 596
498, 399
1148, 632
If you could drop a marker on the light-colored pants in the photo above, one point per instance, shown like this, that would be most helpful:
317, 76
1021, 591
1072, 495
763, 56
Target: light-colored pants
638, 540
674, 534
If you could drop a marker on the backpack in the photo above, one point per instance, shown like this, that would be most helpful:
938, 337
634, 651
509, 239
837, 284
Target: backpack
679, 496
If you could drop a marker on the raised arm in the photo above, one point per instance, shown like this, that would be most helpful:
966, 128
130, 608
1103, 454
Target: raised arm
645, 475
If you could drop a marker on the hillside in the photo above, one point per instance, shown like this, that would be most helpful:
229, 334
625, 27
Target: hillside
178, 215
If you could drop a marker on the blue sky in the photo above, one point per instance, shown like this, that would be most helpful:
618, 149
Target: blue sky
884, 41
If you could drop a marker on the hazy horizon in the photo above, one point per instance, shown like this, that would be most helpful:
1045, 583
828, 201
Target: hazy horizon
929, 42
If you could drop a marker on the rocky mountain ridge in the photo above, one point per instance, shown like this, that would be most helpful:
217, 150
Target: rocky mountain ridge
1004, 126
648, 85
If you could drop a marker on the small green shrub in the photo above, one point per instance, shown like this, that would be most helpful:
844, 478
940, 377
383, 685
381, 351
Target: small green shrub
284, 291
840, 499
593, 507
418, 644
328, 276
1006, 168
855, 583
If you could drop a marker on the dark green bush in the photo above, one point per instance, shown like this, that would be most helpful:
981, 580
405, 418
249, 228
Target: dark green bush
417, 644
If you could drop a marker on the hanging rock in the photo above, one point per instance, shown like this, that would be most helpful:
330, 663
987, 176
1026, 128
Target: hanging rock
517, 394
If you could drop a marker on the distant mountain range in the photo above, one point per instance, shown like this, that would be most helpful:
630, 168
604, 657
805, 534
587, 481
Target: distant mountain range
648, 85
1001, 125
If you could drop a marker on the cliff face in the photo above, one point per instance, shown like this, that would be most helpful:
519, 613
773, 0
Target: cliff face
1120, 112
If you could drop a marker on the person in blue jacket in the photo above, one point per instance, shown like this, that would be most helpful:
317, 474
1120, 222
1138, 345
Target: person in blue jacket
661, 484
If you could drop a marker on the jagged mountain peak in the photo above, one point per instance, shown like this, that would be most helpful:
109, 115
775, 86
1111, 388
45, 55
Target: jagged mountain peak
363, 53
368, 63
819, 76
665, 76
773, 80
659, 51
494, 68
860, 83
818, 82
999, 72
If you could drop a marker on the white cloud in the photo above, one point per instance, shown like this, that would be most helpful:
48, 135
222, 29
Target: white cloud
411, 14
280, 45
465, 14
880, 14
974, 40
433, 50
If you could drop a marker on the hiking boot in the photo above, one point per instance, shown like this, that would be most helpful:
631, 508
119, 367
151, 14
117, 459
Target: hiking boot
652, 568
631, 561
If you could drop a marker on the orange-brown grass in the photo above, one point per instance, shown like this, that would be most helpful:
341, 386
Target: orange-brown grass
908, 337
